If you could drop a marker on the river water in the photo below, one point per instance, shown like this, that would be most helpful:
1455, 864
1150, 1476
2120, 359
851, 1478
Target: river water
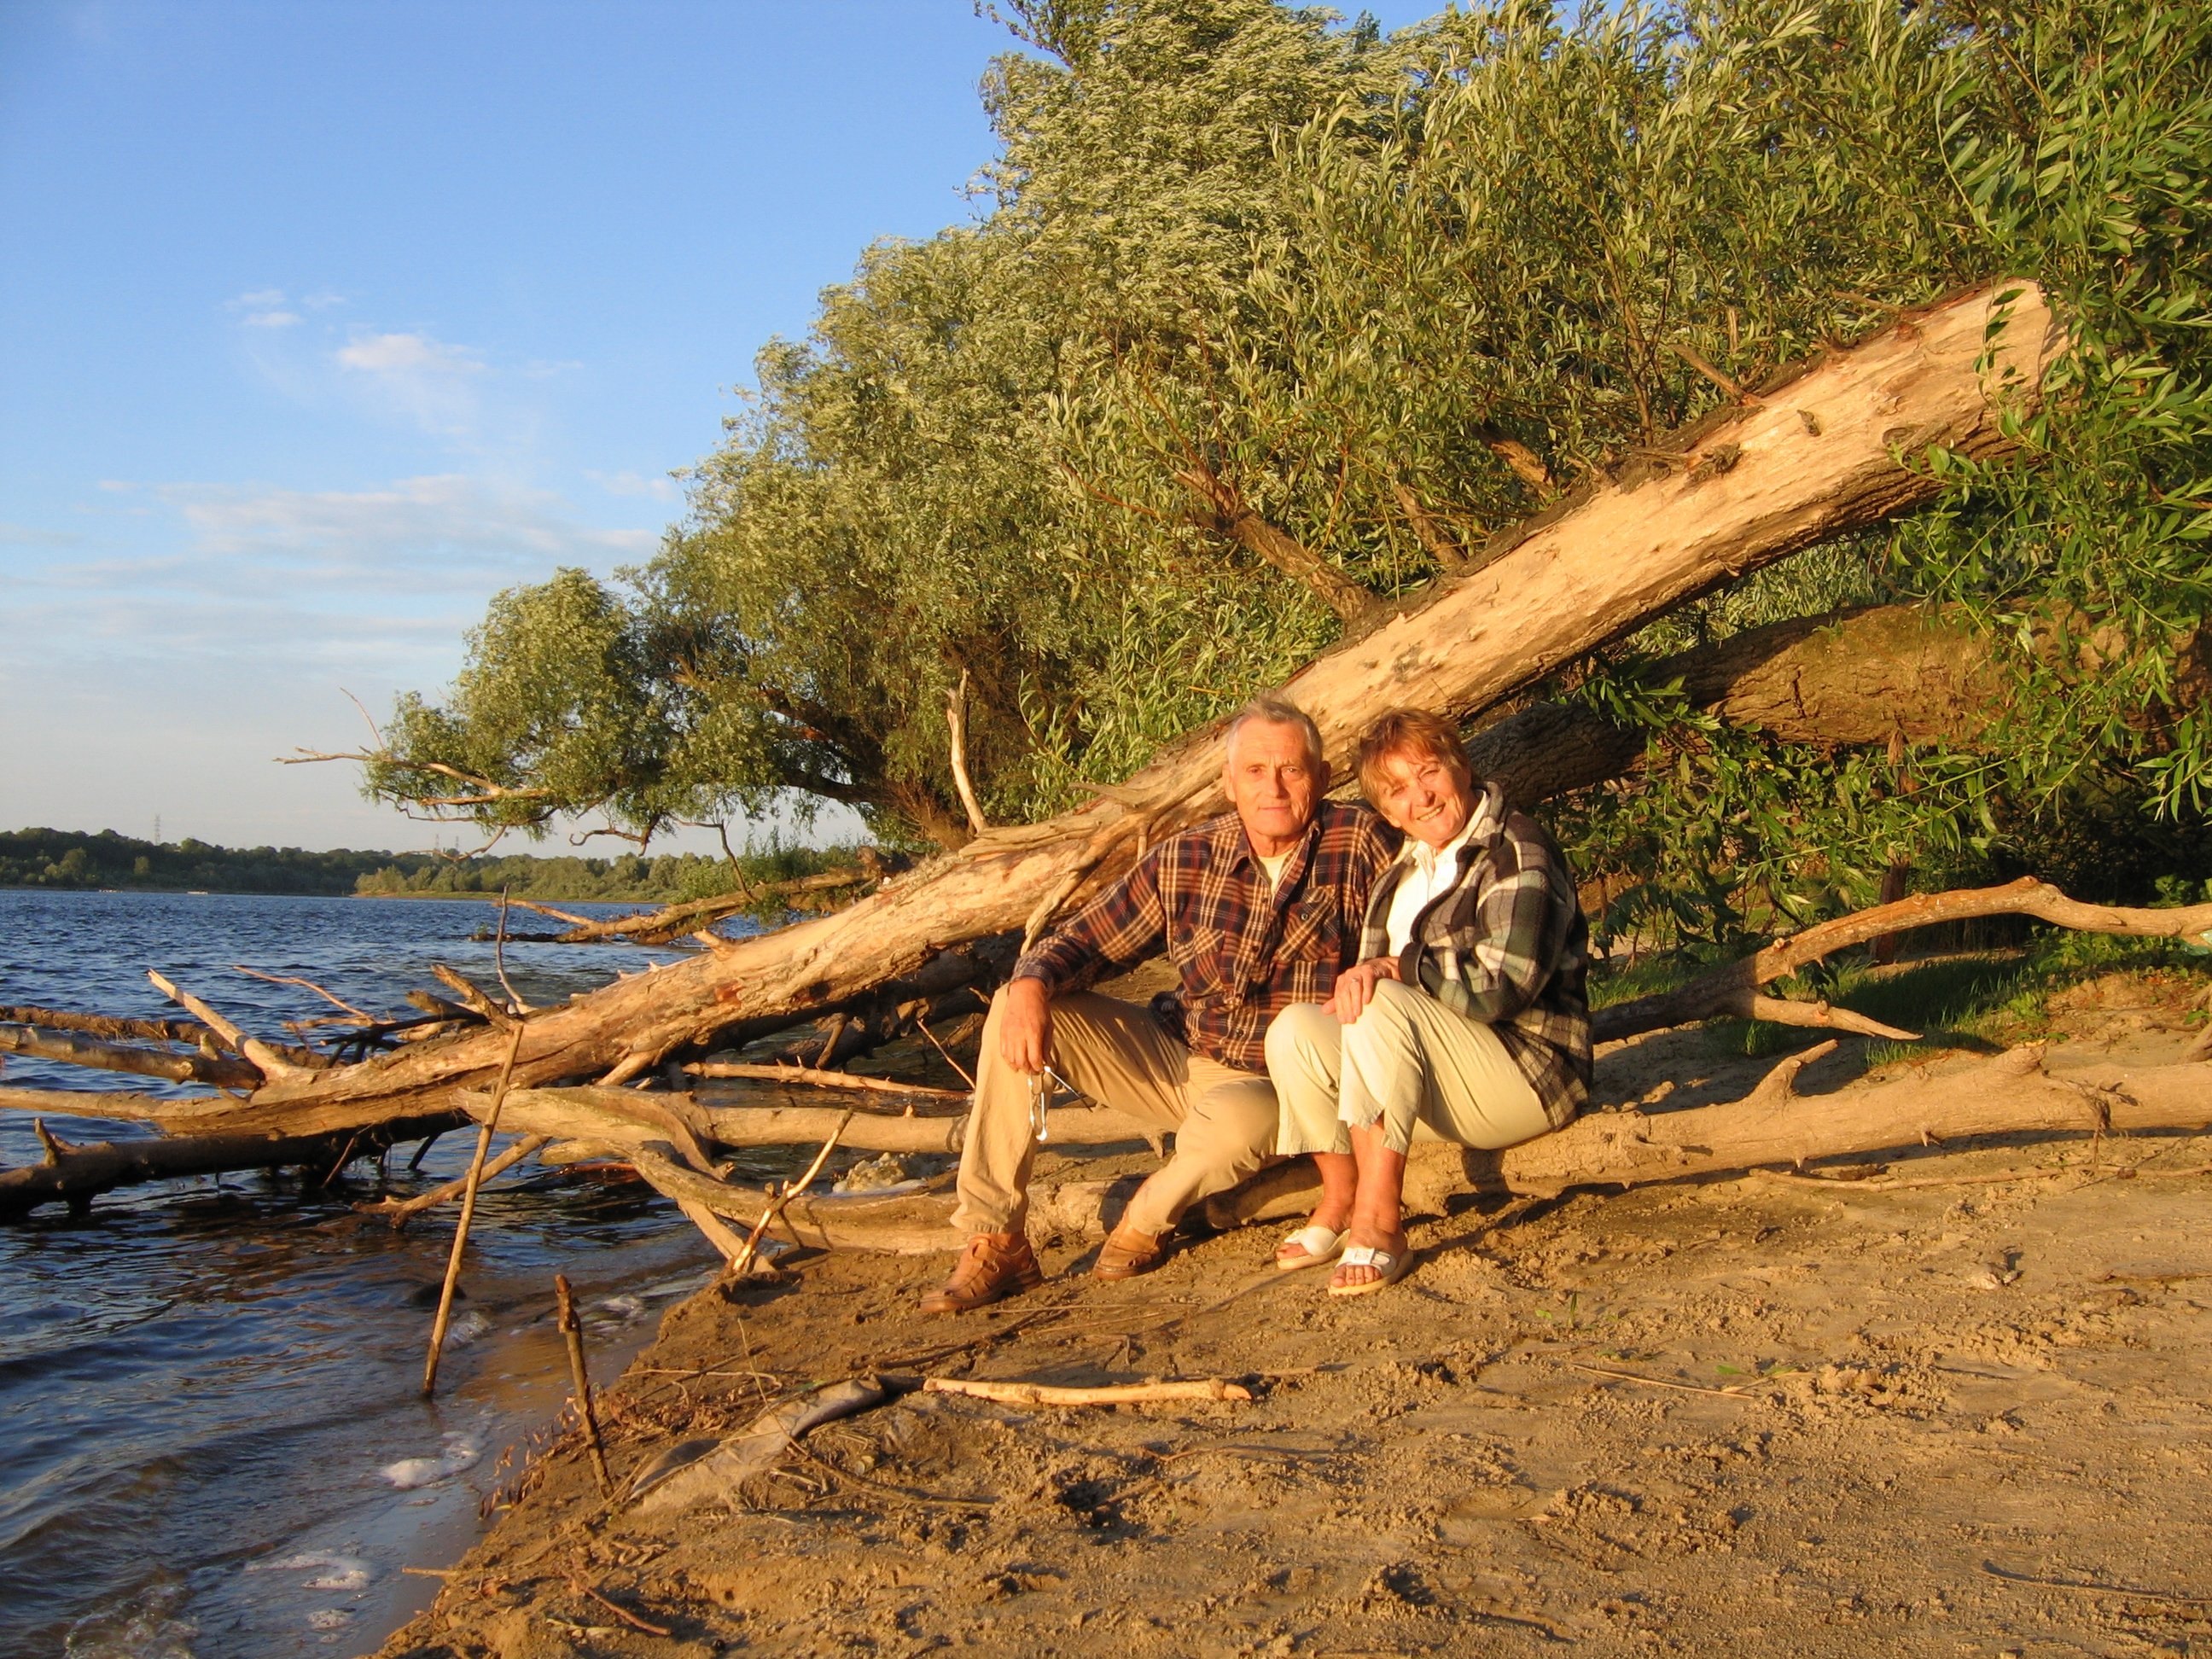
211, 1439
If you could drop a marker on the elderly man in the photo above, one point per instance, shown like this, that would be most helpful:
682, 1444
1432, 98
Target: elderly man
1465, 1013
1258, 909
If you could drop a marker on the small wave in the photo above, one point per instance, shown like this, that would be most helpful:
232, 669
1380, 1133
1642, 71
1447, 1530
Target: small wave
623, 1308
335, 1572
408, 1473
150, 1631
329, 1619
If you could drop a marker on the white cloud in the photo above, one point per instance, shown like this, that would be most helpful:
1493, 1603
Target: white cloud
449, 529
660, 488
26, 535
272, 318
259, 299
423, 379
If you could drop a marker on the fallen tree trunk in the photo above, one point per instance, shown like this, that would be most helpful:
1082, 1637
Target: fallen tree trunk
1734, 989
76, 1175
1831, 451
2010, 1094
1848, 679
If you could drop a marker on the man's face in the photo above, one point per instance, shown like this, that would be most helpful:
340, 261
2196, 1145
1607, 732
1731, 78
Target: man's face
1428, 797
1273, 784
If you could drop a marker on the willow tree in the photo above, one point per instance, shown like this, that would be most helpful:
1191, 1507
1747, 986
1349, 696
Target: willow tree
1263, 323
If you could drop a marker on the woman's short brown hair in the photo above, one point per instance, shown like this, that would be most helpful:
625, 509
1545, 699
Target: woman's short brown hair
1407, 732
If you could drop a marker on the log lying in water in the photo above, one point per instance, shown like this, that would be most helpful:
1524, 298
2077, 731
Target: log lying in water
77, 1174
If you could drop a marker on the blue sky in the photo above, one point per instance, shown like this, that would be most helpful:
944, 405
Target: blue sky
322, 322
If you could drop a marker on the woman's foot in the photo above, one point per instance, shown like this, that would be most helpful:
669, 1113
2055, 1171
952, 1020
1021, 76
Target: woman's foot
1311, 1245
1371, 1261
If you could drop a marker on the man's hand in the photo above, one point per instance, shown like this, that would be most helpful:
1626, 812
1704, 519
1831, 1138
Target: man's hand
1025, 1026
1355, 988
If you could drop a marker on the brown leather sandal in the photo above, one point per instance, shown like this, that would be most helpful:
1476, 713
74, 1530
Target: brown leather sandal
994, 1266
1126, 1254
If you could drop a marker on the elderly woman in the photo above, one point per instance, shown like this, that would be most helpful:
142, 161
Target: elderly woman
1466, 1012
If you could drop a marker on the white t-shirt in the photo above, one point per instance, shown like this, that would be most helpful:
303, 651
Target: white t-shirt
1274, 866
1430, 871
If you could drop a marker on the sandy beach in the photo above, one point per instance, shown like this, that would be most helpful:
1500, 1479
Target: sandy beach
1952, 1406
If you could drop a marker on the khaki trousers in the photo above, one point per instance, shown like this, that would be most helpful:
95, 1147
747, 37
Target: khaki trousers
1117, 1053
1407, 1061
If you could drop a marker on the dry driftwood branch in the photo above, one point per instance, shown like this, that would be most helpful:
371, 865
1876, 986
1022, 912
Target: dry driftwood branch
274, 1066
338, 1003
1848, 679
1586, 571
221, 1070
732, 1068
616, 1119
1112, 1394
1734, 989
399, 1210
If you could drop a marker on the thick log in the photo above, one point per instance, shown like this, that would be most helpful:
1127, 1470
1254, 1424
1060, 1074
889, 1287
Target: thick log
611, 1118
1847, 679
108, 1026
2010, 1094
223, 1115
1734, 989
1829, 452
70, 1050
77, 1175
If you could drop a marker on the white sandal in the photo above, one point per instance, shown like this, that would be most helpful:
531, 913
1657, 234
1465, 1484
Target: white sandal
1388, 1268
1320, 1245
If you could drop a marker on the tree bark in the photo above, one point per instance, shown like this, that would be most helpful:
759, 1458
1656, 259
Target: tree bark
1848, 679
221, 1070
1817, 457
77, 1175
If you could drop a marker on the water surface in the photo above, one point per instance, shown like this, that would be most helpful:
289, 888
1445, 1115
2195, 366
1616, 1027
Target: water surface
212, 1440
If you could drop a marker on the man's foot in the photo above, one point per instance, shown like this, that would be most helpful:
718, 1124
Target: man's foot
1311, 1245
992, 1267
1365, 1269
1128, 1253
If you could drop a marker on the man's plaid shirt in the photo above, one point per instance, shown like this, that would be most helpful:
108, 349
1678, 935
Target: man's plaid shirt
1244, 952
1505, 944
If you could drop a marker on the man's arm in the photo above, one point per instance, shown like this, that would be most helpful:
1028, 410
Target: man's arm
1118, 928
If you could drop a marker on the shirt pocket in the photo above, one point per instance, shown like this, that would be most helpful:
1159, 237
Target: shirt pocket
1313, 931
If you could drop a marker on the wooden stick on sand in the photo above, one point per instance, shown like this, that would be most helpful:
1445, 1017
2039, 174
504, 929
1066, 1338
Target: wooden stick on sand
468, 1212
575, 1334
1115, 1394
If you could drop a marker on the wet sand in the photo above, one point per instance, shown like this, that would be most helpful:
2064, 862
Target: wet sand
1753, 1415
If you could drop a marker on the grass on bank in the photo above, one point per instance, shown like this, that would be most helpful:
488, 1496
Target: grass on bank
1980, 1001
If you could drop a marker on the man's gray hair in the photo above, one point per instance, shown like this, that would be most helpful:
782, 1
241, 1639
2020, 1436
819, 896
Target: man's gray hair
1271, 710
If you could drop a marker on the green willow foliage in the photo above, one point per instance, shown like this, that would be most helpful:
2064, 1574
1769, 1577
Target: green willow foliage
1391, 295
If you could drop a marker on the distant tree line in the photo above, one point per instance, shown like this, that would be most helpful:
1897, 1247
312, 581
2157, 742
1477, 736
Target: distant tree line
65, 859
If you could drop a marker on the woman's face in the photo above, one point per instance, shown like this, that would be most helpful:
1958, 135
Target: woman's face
1428, 797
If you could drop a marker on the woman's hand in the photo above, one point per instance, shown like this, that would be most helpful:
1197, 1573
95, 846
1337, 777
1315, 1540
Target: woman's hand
1355, 988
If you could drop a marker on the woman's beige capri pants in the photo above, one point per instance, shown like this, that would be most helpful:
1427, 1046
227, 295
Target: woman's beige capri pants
1407, 1059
